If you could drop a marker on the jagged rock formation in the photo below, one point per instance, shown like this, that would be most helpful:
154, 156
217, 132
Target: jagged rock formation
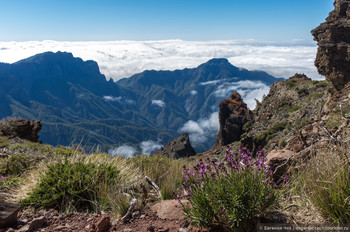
178, 148
233, 114
333, 38
21, 128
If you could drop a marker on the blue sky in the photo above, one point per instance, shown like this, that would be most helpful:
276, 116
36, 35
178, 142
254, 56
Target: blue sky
107, 20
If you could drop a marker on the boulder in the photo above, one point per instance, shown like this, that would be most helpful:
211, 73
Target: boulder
8, 214
170, 209
280, 160
21, 128
178, 148
233, 114
333, 38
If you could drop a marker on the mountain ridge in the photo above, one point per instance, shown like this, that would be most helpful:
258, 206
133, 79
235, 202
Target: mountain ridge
76, 103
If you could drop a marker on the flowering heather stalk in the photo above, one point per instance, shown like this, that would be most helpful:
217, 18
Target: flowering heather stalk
231, 193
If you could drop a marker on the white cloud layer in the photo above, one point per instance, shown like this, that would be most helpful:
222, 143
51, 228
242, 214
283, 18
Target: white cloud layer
118, 59
203, 130
111, 98
249, 91
159, 103
119, 99
124, 151
146, 147
150, 146
194, 92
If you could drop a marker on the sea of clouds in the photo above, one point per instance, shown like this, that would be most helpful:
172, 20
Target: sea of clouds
118, 59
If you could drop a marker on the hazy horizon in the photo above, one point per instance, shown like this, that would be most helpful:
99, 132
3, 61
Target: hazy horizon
122, 59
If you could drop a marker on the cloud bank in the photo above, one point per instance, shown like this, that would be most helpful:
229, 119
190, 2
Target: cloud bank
118, 59
159, 103
249, 91
119, 99
146, 147
150, 146
203, 130
124, 151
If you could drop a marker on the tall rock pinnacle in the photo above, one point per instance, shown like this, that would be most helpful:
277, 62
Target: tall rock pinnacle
233, 114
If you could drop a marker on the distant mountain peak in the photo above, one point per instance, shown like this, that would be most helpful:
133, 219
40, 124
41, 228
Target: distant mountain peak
47, 56
218, 61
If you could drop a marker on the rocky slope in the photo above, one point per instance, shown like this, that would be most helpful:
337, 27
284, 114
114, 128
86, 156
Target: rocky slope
289, 106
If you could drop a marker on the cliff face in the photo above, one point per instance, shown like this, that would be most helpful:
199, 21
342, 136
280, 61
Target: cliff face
333, 38
233, 114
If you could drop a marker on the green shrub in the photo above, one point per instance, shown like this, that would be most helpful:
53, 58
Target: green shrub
283, 142
291, 83
4, 141
229, 196
322, 84
81, 184
333, 120
315, 95
15, 164
303, 91
263, 138
247, 126
294, 108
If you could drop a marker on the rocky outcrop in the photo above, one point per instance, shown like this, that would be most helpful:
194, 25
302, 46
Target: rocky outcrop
178, 148
21, 128
233, 114
333, 38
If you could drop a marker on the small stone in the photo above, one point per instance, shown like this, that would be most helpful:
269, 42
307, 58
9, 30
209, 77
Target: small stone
150, 228
164, 230
60, 228
103, 224
182, 230
127, 230
135, 214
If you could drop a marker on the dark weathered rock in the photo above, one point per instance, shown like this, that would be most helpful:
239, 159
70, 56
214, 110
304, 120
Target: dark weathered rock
103, 224
178, 148
278, 160
333, 38
8, 214
35, 223
21, 128
233, 114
